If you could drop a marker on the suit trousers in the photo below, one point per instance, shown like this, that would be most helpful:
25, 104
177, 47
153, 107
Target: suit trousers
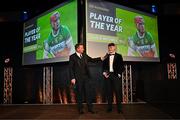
84, 90
114, 85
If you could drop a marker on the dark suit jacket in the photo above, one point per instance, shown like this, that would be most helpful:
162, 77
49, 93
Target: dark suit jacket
118, 66
76, 67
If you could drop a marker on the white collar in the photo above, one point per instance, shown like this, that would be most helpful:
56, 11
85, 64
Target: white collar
140, 36
54, 35
78, 54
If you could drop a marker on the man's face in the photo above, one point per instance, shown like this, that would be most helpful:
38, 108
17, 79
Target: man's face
111, 49
80, 49
141, 27
55, 24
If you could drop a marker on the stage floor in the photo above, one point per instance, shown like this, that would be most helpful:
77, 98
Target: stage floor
130, 111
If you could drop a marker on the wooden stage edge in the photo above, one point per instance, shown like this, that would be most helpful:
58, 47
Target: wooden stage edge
139, 110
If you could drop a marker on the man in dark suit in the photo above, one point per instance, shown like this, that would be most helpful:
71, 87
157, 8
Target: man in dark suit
80, 76
112, 69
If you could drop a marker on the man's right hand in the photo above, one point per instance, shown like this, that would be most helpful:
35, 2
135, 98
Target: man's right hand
104, 57
73, 81
105, 74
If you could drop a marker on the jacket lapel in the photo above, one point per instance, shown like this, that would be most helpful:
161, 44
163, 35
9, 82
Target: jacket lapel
115, 56
114, 61
77, 59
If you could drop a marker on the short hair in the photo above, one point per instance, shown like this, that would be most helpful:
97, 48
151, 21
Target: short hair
111, 44
55, 16
77, 45
138, 19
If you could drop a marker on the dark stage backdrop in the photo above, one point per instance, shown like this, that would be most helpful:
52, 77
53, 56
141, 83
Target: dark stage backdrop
150, 84
28, 83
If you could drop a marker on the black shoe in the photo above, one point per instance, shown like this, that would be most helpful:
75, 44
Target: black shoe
91, 111
120, 111
81, 112
109, 110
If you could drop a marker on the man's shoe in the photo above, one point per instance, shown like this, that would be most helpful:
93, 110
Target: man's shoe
81, 112
109, 110
120, 111
91, 111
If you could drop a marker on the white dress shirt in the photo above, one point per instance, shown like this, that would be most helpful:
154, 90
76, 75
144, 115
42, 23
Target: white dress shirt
111, 59
79, 54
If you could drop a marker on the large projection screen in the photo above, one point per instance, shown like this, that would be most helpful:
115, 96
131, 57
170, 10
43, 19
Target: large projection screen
51, 36
134, 32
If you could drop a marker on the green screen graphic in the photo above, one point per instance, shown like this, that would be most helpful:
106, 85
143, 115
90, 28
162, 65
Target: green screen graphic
51, 36
134, 32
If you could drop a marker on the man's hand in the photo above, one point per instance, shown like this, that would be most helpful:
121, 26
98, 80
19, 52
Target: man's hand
105, 74
119, 75
104, 57
73, 81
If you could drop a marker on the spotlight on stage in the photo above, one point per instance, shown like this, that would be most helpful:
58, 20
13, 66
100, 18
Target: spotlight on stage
172, 55
25, 12
7, 60
154, 8
24, 15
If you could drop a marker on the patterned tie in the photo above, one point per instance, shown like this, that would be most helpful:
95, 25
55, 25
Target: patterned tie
80, 55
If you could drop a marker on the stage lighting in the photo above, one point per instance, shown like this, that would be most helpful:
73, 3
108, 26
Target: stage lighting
154, 8
25, 12
172, 55
24, 15
7, 60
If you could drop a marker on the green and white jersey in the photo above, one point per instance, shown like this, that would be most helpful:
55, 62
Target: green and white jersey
56, 43
142, 43
145, 39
